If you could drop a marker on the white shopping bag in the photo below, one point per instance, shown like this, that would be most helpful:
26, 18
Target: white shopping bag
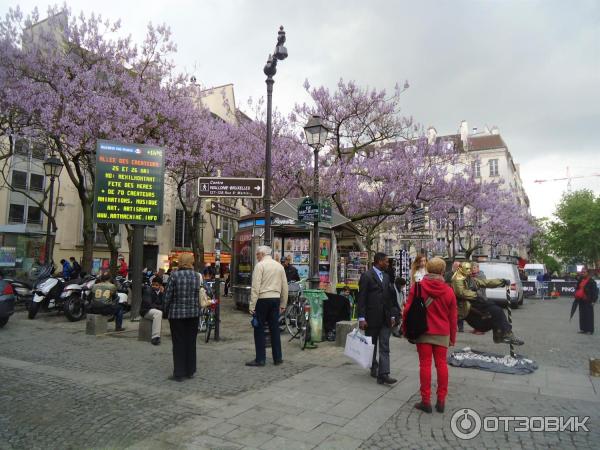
360, 348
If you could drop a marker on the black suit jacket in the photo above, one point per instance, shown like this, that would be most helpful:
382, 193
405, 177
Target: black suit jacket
377, 301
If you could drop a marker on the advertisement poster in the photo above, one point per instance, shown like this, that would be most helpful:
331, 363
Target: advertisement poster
277, 248
8, 256
129, 185
303, 271
324, 250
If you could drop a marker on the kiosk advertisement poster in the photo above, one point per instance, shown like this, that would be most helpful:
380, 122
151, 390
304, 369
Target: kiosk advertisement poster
129, 184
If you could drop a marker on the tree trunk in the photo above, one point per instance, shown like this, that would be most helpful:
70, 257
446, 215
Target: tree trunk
88, 236
110, 233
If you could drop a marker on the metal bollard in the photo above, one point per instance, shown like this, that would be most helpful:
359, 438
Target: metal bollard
509, 310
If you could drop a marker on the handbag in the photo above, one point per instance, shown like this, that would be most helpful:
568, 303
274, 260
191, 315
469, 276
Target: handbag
359, 348
203, 298
416, 316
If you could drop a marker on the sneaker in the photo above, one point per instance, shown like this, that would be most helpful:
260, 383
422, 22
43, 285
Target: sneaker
155, 341
425, 407
439, 407
120, 329
510, 338
174, 378
278, 362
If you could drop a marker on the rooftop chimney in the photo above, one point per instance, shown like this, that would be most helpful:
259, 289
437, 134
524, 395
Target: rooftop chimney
464, 132
431, 135
474, 130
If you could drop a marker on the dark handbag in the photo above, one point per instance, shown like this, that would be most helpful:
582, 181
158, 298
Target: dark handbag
416, 317
254, 321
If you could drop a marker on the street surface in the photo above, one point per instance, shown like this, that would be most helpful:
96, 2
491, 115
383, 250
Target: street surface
62, 389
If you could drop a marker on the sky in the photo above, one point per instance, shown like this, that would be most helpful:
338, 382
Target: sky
531, 68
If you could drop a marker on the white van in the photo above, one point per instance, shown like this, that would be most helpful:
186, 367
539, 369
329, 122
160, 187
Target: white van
533, 270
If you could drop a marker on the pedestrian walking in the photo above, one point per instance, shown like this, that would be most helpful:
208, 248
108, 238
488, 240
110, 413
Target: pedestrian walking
377, 313
183, 310
441, 332
268, 297
418, 269
586, 294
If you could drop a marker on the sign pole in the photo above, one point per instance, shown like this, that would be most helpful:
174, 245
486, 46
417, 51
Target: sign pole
136, 261
217, 288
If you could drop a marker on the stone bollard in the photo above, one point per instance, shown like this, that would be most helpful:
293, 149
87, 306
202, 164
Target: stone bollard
342, 329
95, 324
594, 367
145, 330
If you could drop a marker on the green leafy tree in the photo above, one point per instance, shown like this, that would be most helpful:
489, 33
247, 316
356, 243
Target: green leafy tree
575, 235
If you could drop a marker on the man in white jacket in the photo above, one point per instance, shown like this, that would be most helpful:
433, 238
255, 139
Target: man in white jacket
268, 297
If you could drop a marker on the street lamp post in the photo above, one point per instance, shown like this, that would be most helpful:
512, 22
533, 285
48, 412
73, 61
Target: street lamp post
316, 136
453, 215
52, 168
270, 70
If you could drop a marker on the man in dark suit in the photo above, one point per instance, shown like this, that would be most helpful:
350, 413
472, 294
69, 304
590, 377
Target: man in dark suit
377, 313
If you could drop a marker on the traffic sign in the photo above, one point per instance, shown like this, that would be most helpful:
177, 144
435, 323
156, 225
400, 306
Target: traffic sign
231, 187
224, 210
418, 219
308, 211
415, 237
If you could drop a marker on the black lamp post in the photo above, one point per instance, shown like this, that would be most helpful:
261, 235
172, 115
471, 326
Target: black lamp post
453, 215
316, 136
270, 70
52, 167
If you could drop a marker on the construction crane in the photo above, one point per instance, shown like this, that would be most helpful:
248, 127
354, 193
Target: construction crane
569, 177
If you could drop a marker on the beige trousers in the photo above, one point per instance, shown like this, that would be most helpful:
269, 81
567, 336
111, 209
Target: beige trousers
155, 315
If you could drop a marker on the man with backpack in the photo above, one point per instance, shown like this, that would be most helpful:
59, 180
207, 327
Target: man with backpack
377, 313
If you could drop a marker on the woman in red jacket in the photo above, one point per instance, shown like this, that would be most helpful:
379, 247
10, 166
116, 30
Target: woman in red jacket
441, 332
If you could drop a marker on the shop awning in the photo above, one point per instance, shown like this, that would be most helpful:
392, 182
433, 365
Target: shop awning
20, 228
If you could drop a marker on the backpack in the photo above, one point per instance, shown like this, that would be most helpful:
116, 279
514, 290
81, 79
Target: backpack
416, 317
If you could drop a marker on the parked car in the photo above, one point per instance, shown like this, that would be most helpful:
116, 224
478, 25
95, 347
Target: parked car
505, 270
7, 301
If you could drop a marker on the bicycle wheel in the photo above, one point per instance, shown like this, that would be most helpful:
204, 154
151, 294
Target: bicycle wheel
302, 326
292, 313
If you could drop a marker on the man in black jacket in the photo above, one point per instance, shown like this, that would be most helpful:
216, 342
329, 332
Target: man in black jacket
152, 308
291, 273
377, 313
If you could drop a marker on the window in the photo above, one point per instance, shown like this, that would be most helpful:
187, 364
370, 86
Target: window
19, 179
387, 246
494, 168
34, 215
476, 168
38, 151
182, 234
22, 147
16, 213
36, 182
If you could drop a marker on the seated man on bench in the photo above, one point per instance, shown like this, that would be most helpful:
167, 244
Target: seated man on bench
152, 306
105, 301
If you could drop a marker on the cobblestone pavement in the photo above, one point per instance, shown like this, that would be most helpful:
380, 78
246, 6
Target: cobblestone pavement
63, 389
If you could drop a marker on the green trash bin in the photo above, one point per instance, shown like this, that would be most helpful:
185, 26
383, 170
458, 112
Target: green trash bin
316, 297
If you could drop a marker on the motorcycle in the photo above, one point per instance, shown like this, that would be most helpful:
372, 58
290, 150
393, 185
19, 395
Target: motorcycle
76, 297
23, 291
47, 290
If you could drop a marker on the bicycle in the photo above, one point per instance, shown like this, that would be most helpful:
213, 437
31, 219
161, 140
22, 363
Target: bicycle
293, 310
208, 319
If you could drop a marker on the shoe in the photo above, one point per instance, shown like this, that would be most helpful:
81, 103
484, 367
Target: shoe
439, 407
510, 338
155, 341
386, 379
374, 371
278, 362
174, 378
189, 377
423, 407
255, 363
120, 329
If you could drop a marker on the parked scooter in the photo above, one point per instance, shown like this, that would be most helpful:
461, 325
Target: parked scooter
46, 291
76, 297
23, 291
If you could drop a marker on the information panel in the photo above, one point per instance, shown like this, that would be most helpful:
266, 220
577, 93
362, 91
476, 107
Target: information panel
129, 184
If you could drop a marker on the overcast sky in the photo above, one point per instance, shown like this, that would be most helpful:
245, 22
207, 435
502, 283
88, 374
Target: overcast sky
532, 68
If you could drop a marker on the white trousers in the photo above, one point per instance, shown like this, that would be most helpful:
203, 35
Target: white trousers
155, 315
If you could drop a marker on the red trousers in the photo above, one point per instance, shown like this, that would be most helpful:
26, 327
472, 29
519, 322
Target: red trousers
426, 351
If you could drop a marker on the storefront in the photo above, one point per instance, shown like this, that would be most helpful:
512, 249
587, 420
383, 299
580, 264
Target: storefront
290, 238
20, 249
209, 258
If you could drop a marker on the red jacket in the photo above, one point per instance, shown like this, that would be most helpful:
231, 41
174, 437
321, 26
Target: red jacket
441, 313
